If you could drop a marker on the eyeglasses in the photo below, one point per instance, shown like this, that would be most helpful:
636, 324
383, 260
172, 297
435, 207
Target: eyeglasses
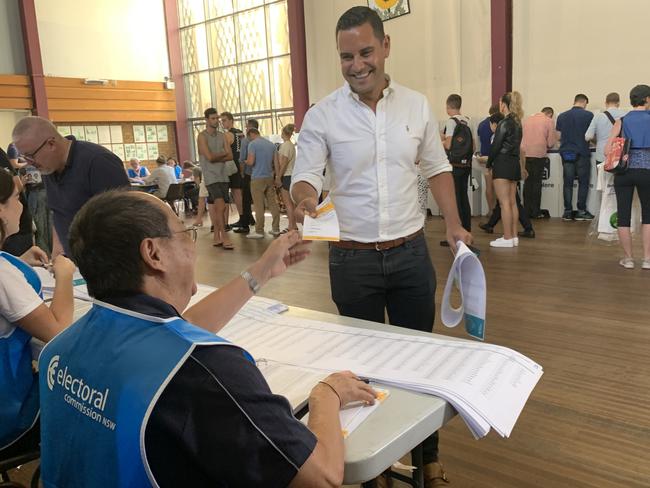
31, 156
193, 232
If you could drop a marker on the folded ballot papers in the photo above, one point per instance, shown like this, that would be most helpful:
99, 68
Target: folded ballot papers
487, 384
467, 275
325, 227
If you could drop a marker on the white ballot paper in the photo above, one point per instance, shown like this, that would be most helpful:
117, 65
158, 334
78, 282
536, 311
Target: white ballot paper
325, 227
467, 274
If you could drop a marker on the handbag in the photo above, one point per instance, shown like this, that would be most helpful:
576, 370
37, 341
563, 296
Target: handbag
619, 153
230, 168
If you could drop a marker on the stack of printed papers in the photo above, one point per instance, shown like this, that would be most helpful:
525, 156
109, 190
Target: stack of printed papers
487, 384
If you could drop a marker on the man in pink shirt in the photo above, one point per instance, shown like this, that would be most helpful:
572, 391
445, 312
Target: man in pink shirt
539, 136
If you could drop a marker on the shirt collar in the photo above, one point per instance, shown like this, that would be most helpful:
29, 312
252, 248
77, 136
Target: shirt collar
70, 160
144, 304
390, 88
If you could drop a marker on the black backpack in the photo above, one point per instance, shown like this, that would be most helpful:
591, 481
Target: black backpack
462, 144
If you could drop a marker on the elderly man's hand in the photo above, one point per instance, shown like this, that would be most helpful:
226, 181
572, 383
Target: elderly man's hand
285, 251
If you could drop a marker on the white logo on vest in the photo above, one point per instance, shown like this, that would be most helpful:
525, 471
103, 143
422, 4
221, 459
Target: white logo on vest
84, 398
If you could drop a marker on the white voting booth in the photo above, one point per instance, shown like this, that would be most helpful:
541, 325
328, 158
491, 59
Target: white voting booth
552, 184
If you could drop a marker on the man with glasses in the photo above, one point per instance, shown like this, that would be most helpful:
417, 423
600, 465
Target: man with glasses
177, 405
72, 171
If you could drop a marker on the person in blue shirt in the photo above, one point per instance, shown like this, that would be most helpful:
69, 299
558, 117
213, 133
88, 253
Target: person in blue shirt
485, 132
634, 126
24, 321
576, 156
178, 171
137, 173
142, 392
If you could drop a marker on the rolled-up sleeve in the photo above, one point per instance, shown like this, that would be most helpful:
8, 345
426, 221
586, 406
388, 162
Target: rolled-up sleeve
432, 156
312, 152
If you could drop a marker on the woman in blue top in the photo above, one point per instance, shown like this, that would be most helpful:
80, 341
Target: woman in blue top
178, 171
636, 127
23, 317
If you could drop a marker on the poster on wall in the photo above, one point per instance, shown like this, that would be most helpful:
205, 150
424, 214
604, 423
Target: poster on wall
78, 132
129, 152
152, 150
141, 151
116, 134
103, 134
91, 133
138, 134
64, 130
152, 136
162, 133
118, 150
390, 9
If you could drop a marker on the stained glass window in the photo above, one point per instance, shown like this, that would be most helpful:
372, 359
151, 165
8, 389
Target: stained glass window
236, 58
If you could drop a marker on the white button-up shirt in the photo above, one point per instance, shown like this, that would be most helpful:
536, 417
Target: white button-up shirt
372, 159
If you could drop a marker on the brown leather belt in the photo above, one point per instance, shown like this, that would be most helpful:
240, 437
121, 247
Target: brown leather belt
377, 246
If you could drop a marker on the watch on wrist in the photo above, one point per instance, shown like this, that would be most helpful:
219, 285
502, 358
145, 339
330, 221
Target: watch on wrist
252, 282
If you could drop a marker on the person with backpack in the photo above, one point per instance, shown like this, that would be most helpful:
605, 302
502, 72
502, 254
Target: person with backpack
458, 142
601, 125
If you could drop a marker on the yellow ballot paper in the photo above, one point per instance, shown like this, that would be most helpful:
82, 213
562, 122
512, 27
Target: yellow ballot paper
325, 227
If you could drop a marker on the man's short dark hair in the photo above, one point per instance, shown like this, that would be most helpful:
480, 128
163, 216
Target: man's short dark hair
454, 101
639, 94
252, 130
581, 97
210, 111
357, 16
494, 109
105, 238
612, 98
548, 111
228, 115
253, 123
496, 118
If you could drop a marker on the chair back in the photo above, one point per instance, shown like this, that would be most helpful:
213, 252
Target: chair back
174, 192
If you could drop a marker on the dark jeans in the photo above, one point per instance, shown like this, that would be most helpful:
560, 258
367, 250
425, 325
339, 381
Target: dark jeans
461, 180
581, 168
400, 281
246, 218
533, 186
524, 220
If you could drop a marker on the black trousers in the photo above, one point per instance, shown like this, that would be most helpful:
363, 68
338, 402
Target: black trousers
247, 200
461, 181
367, 284
523, 216
533, 186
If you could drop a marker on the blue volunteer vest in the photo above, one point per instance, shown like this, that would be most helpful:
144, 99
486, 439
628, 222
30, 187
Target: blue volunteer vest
18, 383
99, 382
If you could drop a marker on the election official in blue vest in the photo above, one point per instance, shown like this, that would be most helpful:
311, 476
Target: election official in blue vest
25, 320
141, 392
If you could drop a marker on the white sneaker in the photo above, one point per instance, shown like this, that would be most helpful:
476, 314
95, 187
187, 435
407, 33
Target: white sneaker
254, 235
275, 233
627, 263
645, 264
516, 241
502, 242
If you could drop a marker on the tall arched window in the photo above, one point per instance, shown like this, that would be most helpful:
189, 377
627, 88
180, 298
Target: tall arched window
236, 59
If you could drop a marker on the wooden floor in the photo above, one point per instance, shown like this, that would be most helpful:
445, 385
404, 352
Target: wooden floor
562, 301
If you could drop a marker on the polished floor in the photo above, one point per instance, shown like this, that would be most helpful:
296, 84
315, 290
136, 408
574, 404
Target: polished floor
560, 299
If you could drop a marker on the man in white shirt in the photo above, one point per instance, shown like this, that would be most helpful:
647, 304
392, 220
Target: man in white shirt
601, 125
373, 131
